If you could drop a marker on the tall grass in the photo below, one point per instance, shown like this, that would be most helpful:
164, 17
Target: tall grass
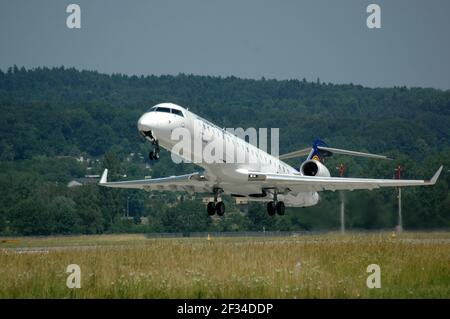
132, 266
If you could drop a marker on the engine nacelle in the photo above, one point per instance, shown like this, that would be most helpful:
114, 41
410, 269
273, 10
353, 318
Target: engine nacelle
314, 168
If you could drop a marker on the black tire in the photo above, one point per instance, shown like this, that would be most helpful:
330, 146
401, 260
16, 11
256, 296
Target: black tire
280, 208
151, 156
211, 208
271, 208
220, 208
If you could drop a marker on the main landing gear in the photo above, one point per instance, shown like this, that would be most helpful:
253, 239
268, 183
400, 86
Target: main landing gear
216, 207
275, 206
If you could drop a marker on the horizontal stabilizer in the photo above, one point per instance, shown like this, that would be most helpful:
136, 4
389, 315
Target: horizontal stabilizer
320, 150
294, 154
352, 153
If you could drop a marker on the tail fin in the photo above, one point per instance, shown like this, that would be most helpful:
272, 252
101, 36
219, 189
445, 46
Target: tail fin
318, 151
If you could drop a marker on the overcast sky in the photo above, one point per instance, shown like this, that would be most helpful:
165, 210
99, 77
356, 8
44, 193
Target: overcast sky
245, 38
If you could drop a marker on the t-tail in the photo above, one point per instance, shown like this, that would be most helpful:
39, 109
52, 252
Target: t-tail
317, 152
320, 150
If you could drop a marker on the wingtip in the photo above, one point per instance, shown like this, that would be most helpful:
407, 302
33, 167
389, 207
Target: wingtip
435, 177
104, 177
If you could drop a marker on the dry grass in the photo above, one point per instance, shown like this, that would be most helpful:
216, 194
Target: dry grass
413, 265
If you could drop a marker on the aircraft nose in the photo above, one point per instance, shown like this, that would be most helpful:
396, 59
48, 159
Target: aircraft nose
146, 122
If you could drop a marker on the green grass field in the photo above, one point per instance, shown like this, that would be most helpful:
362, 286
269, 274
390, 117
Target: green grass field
413, 265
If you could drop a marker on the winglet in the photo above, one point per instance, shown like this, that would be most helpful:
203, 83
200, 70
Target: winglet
435, 177
104, 178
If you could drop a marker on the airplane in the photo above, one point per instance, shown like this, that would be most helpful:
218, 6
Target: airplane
265, 179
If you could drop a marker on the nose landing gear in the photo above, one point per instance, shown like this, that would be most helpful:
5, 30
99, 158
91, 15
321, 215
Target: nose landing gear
154, 153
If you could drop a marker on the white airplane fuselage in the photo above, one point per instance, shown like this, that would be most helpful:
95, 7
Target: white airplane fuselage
164, 118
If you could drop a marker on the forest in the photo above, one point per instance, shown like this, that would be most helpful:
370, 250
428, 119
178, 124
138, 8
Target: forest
60, 124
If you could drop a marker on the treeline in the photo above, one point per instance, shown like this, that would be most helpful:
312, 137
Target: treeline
50, 116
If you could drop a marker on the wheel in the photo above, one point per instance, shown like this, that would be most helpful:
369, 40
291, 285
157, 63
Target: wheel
271, 208
220, 208
153, 155
211, 208
280, 208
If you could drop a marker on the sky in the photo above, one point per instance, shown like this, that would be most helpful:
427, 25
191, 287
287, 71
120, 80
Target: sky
245, 38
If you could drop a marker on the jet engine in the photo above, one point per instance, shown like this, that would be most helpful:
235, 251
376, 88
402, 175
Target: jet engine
314, 168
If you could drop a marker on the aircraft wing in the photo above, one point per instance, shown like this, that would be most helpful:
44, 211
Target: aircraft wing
298, 183
190, 183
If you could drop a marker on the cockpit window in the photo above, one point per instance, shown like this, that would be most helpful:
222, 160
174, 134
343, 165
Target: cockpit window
166, 110
177, 112
163, 109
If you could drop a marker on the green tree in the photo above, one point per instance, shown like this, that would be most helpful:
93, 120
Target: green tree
64, 213
32, 217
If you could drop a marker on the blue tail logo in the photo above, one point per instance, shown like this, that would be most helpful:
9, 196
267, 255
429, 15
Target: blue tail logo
317, 154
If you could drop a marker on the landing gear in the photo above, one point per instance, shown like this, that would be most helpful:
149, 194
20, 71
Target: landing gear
220, 208
279, 207
154, 153
216, 207
275, 206
271, 208
211, 208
